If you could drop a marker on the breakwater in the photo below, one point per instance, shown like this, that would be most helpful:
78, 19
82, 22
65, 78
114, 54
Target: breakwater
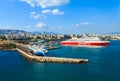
24, 52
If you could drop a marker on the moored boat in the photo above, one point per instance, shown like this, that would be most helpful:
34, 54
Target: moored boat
93, 41
38, 50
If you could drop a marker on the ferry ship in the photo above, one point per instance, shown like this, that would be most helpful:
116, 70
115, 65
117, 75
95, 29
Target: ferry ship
38, 50
91, 41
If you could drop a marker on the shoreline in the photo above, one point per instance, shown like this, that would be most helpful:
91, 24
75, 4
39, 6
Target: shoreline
9, 49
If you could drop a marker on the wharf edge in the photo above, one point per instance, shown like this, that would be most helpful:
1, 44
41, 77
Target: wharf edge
50, 59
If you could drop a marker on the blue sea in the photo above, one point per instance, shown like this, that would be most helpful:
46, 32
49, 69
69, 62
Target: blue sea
103, 65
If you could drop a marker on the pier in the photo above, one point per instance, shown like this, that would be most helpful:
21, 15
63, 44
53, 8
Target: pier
25, 53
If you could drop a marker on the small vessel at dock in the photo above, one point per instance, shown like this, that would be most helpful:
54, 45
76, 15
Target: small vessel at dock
53, 46
38, 50
92, 41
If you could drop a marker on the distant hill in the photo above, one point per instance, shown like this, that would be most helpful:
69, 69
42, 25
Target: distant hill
114, 33
43, 32
7, 31
10, 31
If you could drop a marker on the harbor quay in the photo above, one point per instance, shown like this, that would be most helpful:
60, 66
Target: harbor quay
25, 53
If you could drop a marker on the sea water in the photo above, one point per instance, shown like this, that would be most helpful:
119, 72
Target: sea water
103, 65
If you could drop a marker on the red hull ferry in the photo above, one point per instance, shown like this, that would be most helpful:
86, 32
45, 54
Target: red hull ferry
93, 41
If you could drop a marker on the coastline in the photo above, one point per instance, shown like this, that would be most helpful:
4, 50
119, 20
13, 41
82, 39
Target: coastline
9, 49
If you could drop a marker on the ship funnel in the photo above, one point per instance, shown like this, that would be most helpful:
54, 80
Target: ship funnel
74, 36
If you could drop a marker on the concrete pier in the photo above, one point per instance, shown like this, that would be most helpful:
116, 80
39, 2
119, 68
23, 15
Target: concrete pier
51, 59
24, 52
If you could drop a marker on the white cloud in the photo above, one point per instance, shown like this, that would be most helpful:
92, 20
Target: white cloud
61, 27
45, 3
82, 24
36, 16
77, 25
5, 27
40, 25
30, 2
85, 23
32, 13
53, 12
46, 11
57, 12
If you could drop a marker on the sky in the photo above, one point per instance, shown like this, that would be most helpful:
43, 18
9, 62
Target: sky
61, 16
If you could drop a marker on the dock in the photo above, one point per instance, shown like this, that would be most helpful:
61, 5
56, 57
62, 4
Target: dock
51, 48
23, 51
